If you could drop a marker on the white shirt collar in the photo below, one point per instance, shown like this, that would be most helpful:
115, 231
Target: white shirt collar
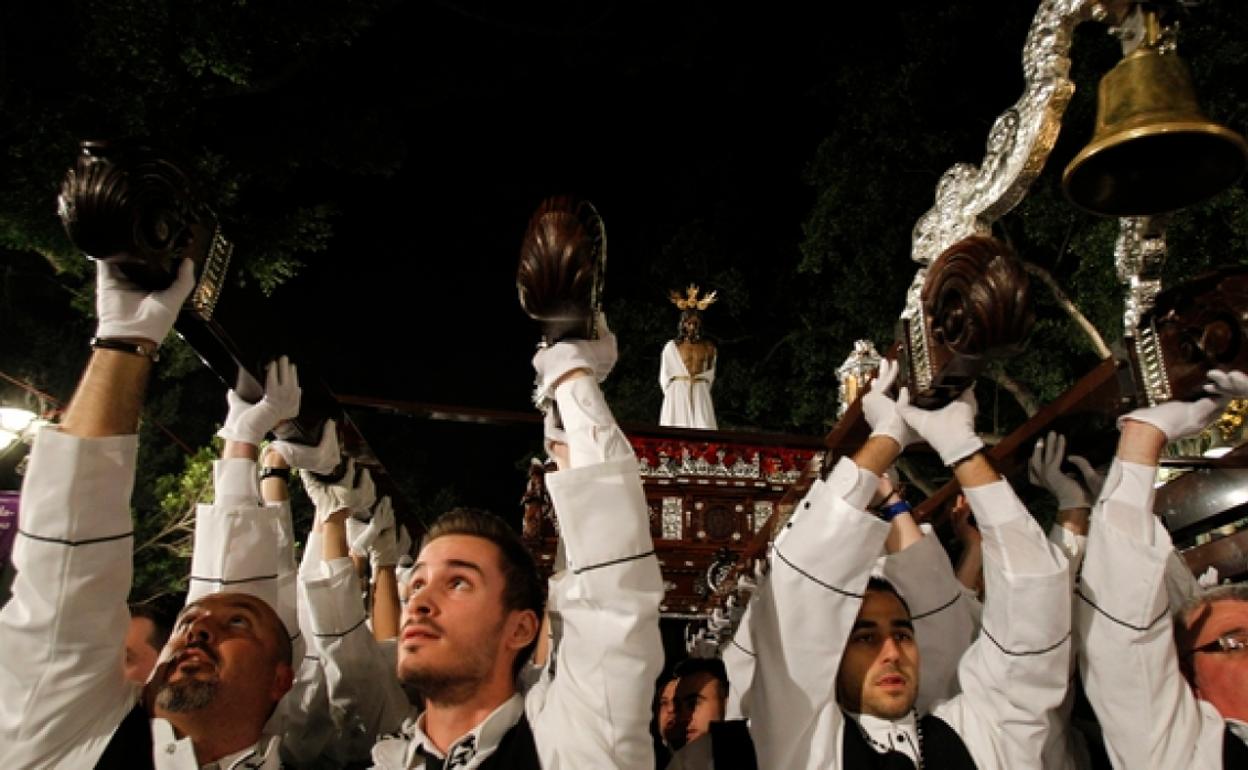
173, 752
900, 735
473, 747
1240, 729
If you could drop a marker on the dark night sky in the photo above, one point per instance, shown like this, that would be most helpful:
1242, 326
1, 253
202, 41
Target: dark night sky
660, 113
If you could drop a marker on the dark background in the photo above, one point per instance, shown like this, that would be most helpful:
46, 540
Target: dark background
376, 163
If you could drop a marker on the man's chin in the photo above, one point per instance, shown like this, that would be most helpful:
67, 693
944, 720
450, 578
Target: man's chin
185, 695
891, 708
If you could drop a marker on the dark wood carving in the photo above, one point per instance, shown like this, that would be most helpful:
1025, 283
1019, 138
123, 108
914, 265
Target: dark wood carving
129, 204
976, 303
1191, 328
562, 265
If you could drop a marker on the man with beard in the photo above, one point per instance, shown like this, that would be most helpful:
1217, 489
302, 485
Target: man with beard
837, 666
63, 699
475, 605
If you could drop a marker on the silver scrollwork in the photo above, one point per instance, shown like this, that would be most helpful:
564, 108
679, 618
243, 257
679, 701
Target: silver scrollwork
970, 198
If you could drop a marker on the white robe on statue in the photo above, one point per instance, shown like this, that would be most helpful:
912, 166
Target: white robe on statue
686, 400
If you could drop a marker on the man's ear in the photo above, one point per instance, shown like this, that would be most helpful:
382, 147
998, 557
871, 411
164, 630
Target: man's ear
524, 629
283, 680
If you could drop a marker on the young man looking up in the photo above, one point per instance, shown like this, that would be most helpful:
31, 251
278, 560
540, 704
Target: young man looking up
474, 608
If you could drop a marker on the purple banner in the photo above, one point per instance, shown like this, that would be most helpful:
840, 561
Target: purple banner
8, 523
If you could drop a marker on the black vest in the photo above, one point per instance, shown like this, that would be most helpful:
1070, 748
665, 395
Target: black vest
130, 748
732, 748
942, 749
1234, 751
516, 751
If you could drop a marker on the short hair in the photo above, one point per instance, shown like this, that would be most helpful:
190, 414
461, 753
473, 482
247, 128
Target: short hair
876, 583
523, 589
162, 622
713, 666
1184, 634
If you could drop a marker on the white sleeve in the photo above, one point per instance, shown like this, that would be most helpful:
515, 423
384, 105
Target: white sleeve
62, 693
1127, 658
596, 710
1014, 677
364, 695
944, 622
238, 543
739, 665
800, 618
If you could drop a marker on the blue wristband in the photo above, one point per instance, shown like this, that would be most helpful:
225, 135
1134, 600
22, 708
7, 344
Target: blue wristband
888, 512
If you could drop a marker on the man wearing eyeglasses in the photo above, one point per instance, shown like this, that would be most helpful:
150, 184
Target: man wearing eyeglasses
1170, 689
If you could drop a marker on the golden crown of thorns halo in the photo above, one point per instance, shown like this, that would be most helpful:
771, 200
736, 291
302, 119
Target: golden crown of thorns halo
690, 301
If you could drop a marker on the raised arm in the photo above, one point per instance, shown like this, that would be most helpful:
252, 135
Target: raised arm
63, 629
1127, 658
596, 710
365, 698
1014, 677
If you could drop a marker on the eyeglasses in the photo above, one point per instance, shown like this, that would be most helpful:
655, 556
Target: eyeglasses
1235, 641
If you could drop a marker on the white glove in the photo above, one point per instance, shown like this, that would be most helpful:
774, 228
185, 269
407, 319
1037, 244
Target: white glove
378, 540
880, 409
1045, 470
1232, 384
321, 458
248, 423
1177, 419
1093, 480
1208, 578
125, 310
345, 493
551, 363
950, 430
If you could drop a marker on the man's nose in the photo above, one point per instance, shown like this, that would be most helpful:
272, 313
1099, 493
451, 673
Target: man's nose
420, 603
201, 629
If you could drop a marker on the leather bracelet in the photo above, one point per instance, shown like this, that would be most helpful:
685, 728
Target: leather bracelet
889, 512
270, 472
145, 349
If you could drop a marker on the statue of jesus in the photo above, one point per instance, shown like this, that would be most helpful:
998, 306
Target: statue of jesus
687, 367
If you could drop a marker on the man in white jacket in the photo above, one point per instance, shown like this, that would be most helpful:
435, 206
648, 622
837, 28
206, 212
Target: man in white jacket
1132, 668
471, 617
837, 664
63, 699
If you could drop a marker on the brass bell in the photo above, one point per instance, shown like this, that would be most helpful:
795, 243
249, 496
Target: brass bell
1153, 150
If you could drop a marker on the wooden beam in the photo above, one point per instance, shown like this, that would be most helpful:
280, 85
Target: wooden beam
1097, 390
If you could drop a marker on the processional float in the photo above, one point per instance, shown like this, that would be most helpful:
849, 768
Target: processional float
1153, 152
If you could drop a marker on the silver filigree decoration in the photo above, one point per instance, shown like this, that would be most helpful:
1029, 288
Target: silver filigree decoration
762, 512
207, 292
969, 198
1139, 255
673, 518
852, 375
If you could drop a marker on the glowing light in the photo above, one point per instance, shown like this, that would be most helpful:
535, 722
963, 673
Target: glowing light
15, 420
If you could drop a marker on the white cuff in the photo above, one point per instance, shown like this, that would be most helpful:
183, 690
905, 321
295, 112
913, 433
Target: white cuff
856, 486
1126, 501
234, 482
593, 436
